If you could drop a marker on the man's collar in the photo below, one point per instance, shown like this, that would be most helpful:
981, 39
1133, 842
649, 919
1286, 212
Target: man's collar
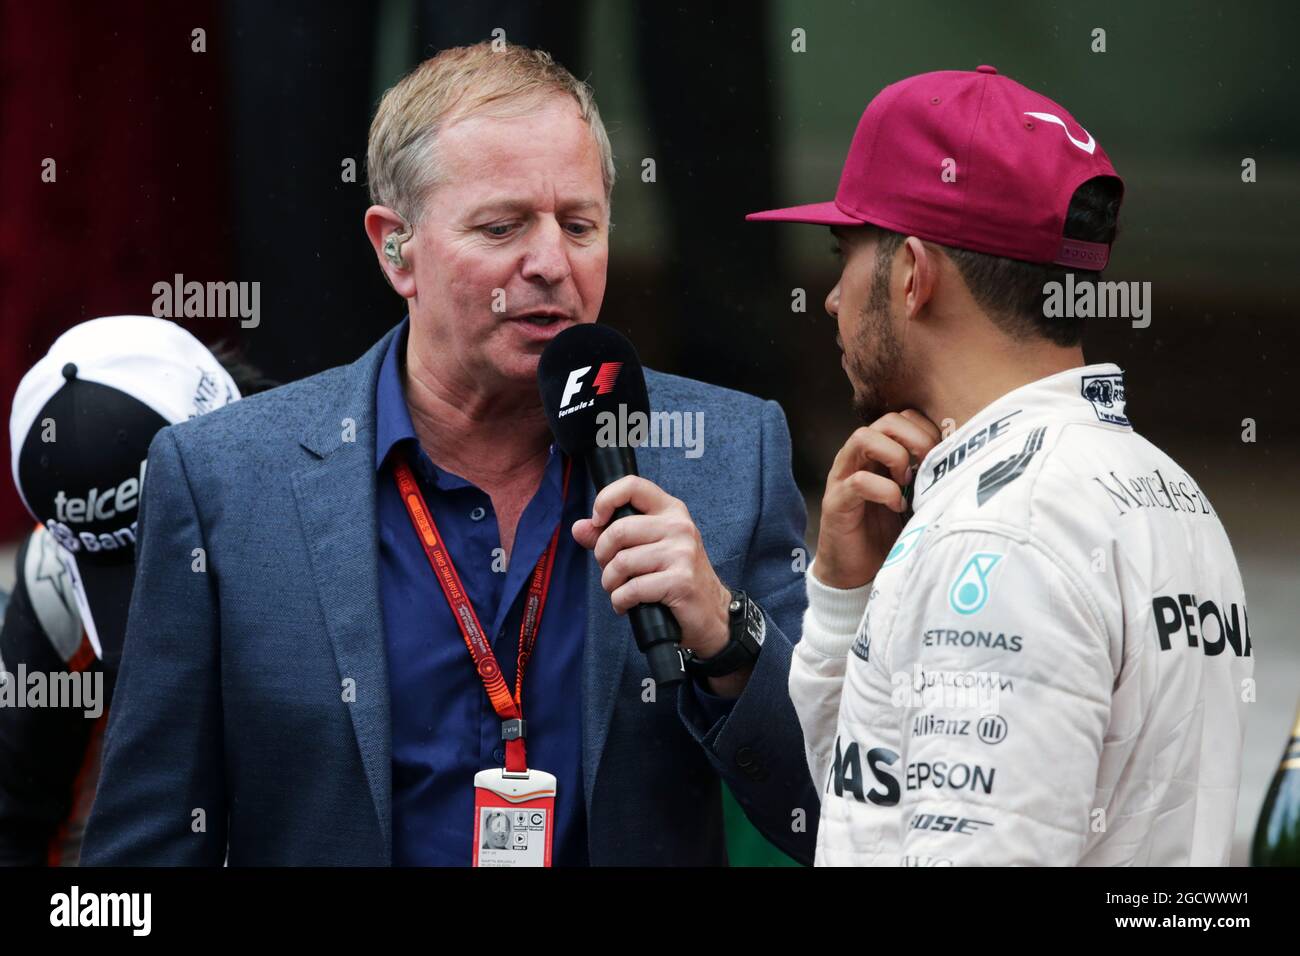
394, 427
393, 423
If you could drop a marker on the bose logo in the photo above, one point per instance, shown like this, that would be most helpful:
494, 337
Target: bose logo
1087, 147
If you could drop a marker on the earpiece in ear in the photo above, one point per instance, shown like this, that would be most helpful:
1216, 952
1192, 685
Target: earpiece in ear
393, 247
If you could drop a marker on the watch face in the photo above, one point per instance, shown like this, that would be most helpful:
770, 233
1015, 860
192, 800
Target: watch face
755, 624
754, 627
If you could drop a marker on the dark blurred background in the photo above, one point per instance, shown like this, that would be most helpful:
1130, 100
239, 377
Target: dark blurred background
228, 164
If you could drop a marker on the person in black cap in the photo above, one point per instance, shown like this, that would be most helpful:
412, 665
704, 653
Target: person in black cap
82, 421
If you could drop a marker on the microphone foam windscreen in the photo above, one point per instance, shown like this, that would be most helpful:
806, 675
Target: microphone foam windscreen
586, 370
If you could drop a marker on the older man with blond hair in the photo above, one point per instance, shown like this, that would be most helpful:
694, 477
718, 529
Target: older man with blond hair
300, 686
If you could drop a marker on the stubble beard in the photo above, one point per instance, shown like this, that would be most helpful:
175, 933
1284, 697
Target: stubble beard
875, 358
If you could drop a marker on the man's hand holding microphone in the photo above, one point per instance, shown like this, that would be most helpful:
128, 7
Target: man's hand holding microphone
652, 558
657, 557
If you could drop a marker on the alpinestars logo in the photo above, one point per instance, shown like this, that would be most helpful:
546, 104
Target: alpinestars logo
862, 642
49, 569
603, 383
1009, 469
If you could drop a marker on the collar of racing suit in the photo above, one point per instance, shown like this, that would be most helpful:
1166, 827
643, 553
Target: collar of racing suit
1089, 393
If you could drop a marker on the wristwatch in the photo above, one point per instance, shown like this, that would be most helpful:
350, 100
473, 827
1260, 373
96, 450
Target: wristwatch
748, 627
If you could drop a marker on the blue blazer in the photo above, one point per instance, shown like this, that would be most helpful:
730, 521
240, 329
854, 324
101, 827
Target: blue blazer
257, 594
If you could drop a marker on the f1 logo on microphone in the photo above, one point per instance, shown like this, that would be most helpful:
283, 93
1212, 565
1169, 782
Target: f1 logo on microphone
604, 381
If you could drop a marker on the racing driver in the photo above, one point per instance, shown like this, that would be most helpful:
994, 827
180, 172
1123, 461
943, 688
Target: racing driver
1026, 640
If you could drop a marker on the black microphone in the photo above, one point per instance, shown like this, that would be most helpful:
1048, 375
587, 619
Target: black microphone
584, 371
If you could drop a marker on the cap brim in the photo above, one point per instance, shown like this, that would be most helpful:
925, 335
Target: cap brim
103, 592
817, 213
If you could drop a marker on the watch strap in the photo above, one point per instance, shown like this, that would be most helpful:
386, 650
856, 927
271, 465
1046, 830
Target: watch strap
748, 628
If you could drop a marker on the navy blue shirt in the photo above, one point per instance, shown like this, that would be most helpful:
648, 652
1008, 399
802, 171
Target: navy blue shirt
444, 728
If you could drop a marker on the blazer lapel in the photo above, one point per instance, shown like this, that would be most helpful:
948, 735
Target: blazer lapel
609, 644
335, 492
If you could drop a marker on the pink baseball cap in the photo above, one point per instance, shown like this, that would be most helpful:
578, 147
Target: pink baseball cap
967, 159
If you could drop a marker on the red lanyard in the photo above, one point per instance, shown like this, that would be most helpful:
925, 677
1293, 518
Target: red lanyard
508, 707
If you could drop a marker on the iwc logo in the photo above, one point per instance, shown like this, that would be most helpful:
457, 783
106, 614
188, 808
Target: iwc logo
1106, 393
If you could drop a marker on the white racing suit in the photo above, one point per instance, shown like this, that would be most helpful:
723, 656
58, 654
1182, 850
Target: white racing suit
1053, 663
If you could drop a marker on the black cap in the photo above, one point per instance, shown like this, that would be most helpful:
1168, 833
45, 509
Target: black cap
80, 427
81, 468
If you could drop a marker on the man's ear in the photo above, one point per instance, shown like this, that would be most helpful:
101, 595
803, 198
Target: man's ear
922, 265
389, 236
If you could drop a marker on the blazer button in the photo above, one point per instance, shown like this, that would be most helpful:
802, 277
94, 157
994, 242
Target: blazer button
744, 758
498, 755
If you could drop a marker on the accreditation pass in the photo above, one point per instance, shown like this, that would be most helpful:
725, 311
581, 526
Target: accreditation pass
514, 817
